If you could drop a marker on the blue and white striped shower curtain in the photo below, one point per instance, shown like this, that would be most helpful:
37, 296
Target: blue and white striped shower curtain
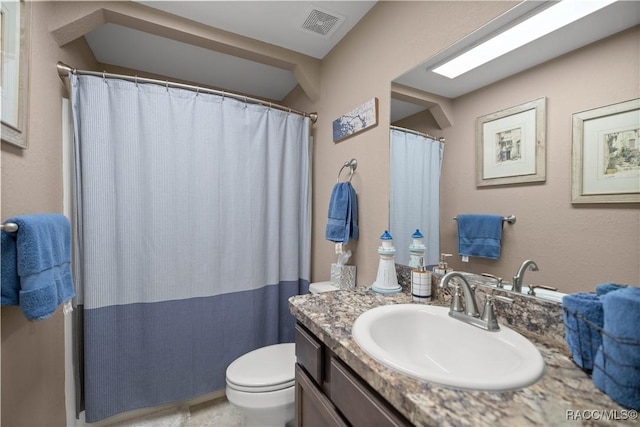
193, 228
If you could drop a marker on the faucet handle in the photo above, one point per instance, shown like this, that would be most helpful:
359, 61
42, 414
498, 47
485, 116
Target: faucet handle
533, 287
498, 279
500, 298
456, 300
489, 313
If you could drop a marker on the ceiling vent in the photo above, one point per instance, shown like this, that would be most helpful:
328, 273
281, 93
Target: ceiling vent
322, 22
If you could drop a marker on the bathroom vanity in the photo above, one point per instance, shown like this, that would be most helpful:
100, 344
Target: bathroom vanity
338, 384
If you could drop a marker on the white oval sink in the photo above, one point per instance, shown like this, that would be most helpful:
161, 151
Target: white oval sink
423, 342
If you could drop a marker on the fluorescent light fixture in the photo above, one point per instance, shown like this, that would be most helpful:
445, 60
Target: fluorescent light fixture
551, 19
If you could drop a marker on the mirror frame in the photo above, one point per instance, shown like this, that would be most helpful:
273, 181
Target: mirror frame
16, 133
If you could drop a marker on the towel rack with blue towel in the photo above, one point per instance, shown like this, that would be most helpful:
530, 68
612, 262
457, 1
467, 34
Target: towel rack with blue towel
351, 164
9, 227
511, 219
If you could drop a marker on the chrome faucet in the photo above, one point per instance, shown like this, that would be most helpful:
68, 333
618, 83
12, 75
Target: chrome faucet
468, 311
518, 279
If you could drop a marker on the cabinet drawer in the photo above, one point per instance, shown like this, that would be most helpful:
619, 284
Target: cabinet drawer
309, 353
359, 405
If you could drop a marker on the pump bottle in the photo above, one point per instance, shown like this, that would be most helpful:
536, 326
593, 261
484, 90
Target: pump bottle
421, 283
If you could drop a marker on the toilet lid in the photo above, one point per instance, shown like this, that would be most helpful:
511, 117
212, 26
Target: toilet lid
265, 369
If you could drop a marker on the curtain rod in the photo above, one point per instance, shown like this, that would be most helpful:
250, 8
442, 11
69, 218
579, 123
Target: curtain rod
417, 133
64, 70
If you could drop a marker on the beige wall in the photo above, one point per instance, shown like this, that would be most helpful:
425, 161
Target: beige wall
392, 38
33, 352
577, 246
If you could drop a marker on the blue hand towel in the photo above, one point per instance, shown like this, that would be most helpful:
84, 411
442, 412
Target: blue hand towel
10, 280
479, 235
617, 369
353, 215
343, 214
582, 315
43, 243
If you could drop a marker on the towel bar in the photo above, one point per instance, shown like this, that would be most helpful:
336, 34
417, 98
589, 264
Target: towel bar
9, 227
511, 219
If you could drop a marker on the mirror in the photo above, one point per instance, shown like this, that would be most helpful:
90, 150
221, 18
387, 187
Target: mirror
563, 67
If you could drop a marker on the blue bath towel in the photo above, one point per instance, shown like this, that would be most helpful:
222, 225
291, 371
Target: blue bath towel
342, 222
479, 235
583, 317
10, 280
617, 368
43, 247
605, 288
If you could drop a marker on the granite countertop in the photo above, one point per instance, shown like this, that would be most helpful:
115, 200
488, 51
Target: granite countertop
564, 396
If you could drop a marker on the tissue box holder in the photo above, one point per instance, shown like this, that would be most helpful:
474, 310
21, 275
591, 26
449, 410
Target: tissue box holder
343, 276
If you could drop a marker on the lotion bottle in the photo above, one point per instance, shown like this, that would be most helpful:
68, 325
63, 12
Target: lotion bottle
421, 283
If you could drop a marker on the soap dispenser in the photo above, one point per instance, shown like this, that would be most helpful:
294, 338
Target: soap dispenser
442, 268
416, 249
421, 283
387, 279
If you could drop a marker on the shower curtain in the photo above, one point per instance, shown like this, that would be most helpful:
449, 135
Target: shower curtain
415, 193
193, 230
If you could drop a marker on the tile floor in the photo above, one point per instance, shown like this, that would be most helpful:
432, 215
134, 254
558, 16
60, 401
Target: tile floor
214, 413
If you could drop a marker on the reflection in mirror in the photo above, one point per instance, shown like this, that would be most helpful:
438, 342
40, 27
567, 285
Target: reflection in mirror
566, 68
415, 164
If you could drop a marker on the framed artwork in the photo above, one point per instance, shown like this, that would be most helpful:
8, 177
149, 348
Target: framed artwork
356, 120
510, 145
606, 154
16, 17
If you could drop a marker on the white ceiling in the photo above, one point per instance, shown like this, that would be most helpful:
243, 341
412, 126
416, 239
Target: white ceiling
279, 23
608, 21
274, 22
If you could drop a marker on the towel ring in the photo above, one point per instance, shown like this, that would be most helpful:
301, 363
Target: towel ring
351, 164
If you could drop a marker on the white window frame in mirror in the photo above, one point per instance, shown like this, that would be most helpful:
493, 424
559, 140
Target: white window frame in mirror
16, 21
530, 167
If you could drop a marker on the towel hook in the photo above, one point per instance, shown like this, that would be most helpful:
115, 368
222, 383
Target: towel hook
351, 164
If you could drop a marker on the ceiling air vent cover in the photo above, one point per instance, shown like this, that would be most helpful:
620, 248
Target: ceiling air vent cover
322, 22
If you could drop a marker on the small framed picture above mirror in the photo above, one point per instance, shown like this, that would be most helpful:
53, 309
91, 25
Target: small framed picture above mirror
510, 145
16, 17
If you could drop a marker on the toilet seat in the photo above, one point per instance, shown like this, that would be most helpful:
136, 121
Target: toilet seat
247, 373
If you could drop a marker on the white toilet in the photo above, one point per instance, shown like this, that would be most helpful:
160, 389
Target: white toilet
261, 383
